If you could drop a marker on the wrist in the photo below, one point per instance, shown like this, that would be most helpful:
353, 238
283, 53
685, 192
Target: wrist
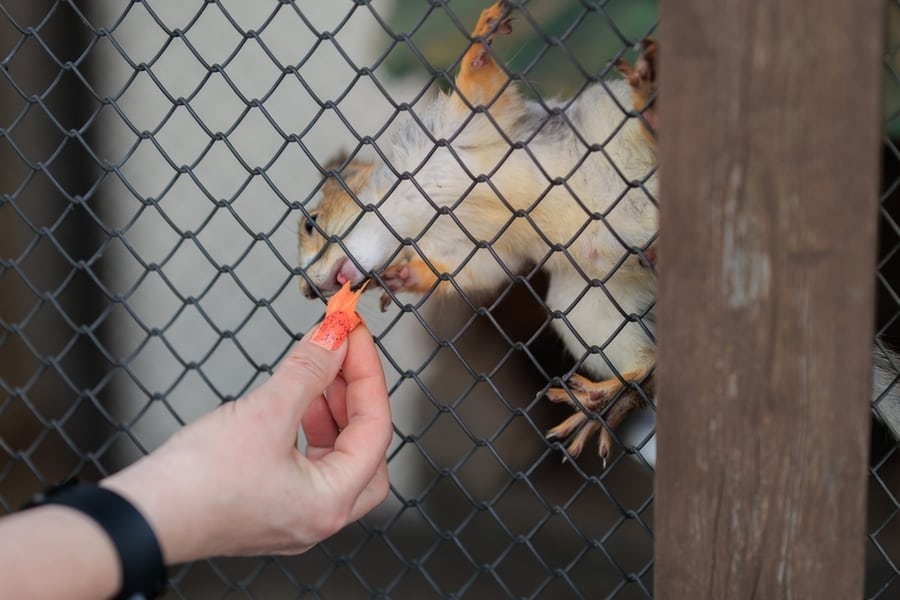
151, 488
141, 568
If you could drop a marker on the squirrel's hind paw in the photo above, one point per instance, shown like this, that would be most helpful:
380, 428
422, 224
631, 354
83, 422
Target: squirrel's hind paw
494, 20
642, 79
609, 396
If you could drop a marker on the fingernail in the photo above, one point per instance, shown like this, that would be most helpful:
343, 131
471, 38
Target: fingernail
331, 332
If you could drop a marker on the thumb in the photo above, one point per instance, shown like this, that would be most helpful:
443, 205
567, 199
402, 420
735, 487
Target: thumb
305, 372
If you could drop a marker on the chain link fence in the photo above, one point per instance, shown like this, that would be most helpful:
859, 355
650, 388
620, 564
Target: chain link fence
158, 158
883, 519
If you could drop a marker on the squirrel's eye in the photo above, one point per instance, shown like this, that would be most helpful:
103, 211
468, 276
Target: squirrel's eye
308, 224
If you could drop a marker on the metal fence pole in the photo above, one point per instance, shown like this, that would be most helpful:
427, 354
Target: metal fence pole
769, 159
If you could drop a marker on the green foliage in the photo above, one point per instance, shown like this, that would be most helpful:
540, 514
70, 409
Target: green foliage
591, 38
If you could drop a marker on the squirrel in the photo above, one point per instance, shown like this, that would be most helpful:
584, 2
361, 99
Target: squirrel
482, 183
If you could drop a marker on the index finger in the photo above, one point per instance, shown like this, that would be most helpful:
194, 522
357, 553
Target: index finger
361, 446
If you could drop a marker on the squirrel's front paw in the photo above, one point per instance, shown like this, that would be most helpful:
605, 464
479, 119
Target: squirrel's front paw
397, 278
414, 276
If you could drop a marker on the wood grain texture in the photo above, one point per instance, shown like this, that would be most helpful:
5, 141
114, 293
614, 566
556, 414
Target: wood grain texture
769, 153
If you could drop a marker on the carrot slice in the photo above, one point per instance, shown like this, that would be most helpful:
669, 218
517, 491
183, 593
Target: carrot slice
340, 318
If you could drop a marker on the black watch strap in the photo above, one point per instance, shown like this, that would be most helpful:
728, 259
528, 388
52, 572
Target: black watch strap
143, 570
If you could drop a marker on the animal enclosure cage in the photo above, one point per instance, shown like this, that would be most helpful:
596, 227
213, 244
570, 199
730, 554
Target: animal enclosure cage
157, 159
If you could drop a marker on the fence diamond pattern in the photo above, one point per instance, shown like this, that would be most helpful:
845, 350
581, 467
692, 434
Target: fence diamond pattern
157, 159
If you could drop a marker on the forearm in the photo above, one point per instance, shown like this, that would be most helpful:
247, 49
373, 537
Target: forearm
56, 552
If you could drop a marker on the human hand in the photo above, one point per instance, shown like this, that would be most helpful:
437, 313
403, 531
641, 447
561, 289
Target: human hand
234, 483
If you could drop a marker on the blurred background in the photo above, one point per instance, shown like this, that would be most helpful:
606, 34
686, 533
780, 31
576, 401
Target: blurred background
157, 158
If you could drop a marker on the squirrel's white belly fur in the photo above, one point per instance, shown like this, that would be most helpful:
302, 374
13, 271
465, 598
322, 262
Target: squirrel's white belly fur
577, 198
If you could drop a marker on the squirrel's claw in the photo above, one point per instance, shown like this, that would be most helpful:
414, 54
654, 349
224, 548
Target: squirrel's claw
610, 396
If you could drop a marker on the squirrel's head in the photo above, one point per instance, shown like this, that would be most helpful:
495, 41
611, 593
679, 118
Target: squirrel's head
343, 239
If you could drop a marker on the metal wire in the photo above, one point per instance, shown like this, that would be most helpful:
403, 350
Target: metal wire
883, 552
108, 325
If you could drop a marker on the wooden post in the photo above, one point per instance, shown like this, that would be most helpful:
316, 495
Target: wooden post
770, 125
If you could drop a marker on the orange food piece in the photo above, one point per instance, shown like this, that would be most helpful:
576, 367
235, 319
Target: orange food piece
340, 318
345, 301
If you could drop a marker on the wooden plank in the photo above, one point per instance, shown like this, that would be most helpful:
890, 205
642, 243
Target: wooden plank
770, 127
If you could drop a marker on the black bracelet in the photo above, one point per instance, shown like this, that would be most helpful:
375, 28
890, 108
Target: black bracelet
143, 571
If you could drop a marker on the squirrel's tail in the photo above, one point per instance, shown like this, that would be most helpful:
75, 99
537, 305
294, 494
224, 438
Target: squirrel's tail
886, 387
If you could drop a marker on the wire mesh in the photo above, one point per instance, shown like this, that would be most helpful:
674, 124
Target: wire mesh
883, 552
157, 159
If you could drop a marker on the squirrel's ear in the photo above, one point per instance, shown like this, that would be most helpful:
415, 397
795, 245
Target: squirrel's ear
335, 162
